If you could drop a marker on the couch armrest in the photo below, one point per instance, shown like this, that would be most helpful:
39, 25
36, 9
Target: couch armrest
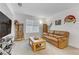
62, 39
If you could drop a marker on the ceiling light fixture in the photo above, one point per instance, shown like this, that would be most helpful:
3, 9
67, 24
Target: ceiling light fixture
41, 22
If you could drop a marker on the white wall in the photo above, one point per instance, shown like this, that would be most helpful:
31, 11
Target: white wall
73, 29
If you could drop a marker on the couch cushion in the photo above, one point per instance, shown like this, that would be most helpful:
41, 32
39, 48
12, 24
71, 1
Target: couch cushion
61, 33
57, 36
51, 38
53, 42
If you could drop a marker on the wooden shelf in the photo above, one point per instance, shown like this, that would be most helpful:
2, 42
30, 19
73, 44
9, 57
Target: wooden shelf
19, 31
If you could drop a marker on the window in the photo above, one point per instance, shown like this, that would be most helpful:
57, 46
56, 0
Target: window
32, 26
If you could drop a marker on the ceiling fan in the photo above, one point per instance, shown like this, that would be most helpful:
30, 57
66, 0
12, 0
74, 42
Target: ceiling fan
20, 4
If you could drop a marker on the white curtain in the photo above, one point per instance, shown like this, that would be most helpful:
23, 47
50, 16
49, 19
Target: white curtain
32, 26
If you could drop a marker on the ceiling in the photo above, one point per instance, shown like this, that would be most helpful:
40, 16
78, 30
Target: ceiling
42, 9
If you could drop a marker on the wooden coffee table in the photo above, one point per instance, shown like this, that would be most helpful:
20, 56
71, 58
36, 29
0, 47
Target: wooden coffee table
37, 44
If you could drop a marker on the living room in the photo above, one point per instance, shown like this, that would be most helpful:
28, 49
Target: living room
55, 24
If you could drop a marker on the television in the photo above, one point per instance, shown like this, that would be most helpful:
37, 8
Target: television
5, 25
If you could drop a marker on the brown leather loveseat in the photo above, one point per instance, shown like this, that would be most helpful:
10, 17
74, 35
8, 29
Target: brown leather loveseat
57, 38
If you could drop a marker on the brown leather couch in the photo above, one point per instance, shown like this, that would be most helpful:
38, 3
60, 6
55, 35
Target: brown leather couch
57, 38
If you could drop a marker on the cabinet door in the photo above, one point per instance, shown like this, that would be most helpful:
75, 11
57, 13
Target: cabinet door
45, 28
19, 32
21, 28
17, 28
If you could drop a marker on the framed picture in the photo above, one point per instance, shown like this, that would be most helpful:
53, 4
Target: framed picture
70, 19
58, 22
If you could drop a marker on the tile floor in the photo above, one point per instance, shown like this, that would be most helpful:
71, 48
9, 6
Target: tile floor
23, 48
